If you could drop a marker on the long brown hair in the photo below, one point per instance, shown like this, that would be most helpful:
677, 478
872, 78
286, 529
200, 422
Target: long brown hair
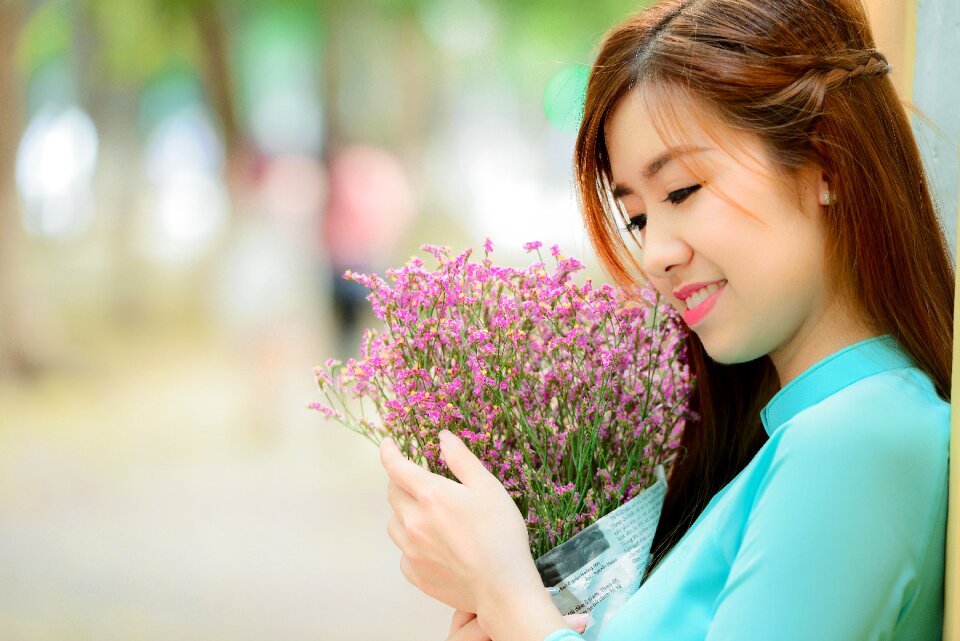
806, 78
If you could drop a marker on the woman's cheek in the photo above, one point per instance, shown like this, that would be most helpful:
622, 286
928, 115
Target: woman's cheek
666, 294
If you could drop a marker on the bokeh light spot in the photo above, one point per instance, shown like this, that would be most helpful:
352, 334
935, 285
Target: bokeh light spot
564, 96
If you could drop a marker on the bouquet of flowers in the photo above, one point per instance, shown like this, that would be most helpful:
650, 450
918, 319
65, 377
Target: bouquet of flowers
570, 394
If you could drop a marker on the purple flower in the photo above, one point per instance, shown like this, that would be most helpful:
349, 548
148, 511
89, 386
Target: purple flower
566, 392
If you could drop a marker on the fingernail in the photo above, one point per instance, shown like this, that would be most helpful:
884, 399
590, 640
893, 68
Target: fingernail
445, 434
579, 622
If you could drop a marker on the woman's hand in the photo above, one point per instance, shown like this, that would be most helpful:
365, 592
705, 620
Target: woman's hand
464, 544
465, 626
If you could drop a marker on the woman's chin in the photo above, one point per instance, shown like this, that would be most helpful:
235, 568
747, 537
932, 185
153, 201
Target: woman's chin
727, 352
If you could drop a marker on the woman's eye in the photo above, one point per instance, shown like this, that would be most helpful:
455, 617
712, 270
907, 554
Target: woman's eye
678, 196
637, 223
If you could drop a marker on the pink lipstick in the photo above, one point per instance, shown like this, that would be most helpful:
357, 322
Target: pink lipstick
695, 315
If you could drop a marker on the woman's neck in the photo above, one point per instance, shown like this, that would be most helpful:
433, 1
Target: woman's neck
833, 330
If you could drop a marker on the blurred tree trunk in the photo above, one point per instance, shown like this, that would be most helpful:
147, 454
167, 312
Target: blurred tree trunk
112, 102
414, 68
16, 346
333, 18
215, 67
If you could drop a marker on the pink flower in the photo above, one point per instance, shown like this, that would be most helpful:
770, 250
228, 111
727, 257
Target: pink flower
555, 386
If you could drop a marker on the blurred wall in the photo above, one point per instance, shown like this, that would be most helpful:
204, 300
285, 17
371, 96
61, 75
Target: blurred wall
927, 77
936, 91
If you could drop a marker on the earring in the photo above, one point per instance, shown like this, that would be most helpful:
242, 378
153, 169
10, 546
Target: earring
828, 198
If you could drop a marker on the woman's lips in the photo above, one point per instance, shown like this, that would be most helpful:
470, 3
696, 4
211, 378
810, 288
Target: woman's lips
695, 315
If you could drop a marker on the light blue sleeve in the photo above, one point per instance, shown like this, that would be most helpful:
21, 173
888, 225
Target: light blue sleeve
563, 635
831, 547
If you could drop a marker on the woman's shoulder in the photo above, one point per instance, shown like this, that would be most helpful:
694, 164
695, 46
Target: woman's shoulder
891, 417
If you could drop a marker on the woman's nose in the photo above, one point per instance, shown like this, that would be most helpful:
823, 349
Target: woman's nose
661, 249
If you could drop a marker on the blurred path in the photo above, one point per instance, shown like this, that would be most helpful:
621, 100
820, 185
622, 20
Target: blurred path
149, 497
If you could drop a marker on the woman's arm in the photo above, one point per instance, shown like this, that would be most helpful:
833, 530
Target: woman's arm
465, 544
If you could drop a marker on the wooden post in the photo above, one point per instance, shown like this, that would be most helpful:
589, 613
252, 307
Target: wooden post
951, 604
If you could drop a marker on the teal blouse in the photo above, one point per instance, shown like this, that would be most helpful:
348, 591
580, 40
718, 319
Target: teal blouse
836, 528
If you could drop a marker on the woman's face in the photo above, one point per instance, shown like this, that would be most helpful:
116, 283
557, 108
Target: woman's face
753, 236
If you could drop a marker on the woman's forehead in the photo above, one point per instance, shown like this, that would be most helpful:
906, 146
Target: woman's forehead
648, 122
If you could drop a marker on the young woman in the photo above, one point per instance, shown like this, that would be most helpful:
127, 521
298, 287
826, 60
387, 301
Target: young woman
759, 157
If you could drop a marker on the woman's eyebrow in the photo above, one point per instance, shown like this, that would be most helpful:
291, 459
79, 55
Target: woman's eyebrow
656, 165
664, 159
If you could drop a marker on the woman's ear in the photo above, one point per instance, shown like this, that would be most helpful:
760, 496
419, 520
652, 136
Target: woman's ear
812, 185
826, 195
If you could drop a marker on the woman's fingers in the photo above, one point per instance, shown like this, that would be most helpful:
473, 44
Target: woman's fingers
462, 462
397, 497
407, 474
397, 532
456, 539
469, 632
460, 619
410, 574
577, 621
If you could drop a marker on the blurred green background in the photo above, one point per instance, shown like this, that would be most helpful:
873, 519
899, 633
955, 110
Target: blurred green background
181, 183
